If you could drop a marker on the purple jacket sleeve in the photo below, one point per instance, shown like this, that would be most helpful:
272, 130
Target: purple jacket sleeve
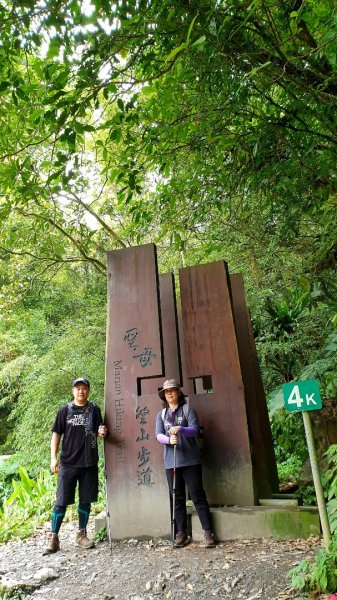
189, 431
163, 439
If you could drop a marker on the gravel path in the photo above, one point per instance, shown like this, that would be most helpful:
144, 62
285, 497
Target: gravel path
245, 569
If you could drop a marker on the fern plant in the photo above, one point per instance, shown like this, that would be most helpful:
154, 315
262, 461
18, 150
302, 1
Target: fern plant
319, 576
329, 480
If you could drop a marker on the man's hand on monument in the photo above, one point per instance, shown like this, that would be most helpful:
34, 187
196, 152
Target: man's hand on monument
102, 431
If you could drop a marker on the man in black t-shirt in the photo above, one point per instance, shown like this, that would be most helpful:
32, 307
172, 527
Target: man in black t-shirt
78, 423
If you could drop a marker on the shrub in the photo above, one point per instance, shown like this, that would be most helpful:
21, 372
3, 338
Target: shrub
319, 576
28, 505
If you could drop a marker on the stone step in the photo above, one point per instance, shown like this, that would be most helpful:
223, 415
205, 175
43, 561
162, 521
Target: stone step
290, 496
100, 521
278, 502
251, 522
279, 522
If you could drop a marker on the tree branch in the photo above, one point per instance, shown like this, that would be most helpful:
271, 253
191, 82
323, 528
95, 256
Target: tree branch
96, 263
99, 219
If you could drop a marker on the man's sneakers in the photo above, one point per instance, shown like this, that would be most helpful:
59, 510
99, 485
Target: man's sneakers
209, 539
82, 540
181, 539
53, 544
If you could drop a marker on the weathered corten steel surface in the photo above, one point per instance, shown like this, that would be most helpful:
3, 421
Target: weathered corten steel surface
211, 350
215, 354
263, 455
135, 474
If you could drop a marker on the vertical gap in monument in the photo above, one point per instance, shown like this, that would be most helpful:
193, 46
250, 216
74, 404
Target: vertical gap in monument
177, 331
159, 315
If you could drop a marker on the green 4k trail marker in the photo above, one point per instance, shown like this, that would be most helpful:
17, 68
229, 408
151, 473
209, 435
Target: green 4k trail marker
302, 395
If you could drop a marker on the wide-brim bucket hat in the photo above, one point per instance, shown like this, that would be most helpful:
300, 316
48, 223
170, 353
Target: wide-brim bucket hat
167, 385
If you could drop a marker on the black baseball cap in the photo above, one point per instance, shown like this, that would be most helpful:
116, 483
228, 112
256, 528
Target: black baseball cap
81, 380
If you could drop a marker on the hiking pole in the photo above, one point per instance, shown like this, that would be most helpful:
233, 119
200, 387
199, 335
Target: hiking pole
107, 512
174, 493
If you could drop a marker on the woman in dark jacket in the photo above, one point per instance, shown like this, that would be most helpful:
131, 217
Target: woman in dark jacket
178, 426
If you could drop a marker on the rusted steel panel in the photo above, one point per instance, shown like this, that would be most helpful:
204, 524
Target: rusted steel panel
134, 352
264, 462
211, 350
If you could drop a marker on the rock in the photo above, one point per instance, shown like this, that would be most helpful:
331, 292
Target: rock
174, 566
236, 580
46, 574
160, 583
197, 577
180, 576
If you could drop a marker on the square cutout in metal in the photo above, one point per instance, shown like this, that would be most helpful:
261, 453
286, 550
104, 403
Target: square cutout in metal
202, 385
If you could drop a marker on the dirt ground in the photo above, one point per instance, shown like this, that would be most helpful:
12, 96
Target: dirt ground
138, 570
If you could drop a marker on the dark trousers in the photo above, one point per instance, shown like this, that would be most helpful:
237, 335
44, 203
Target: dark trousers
191, 477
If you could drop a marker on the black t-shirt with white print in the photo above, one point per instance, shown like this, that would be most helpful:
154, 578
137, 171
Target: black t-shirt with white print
79, 434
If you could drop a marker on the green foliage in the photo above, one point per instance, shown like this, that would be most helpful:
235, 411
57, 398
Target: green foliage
57, 337
329, 480
289, 437
28, 504
286, 310
289, 470
15, 593
225, 122
291, 333
287, 428
8, 471
324, 368
307, 495
100, 535
78, 351
319, 576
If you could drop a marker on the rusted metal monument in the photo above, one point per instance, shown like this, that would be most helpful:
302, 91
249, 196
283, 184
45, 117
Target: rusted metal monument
210, 350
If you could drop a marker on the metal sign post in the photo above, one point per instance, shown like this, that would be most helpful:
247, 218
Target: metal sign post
303, 396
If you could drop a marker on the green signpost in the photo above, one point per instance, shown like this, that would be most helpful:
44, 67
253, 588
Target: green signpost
304, 396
